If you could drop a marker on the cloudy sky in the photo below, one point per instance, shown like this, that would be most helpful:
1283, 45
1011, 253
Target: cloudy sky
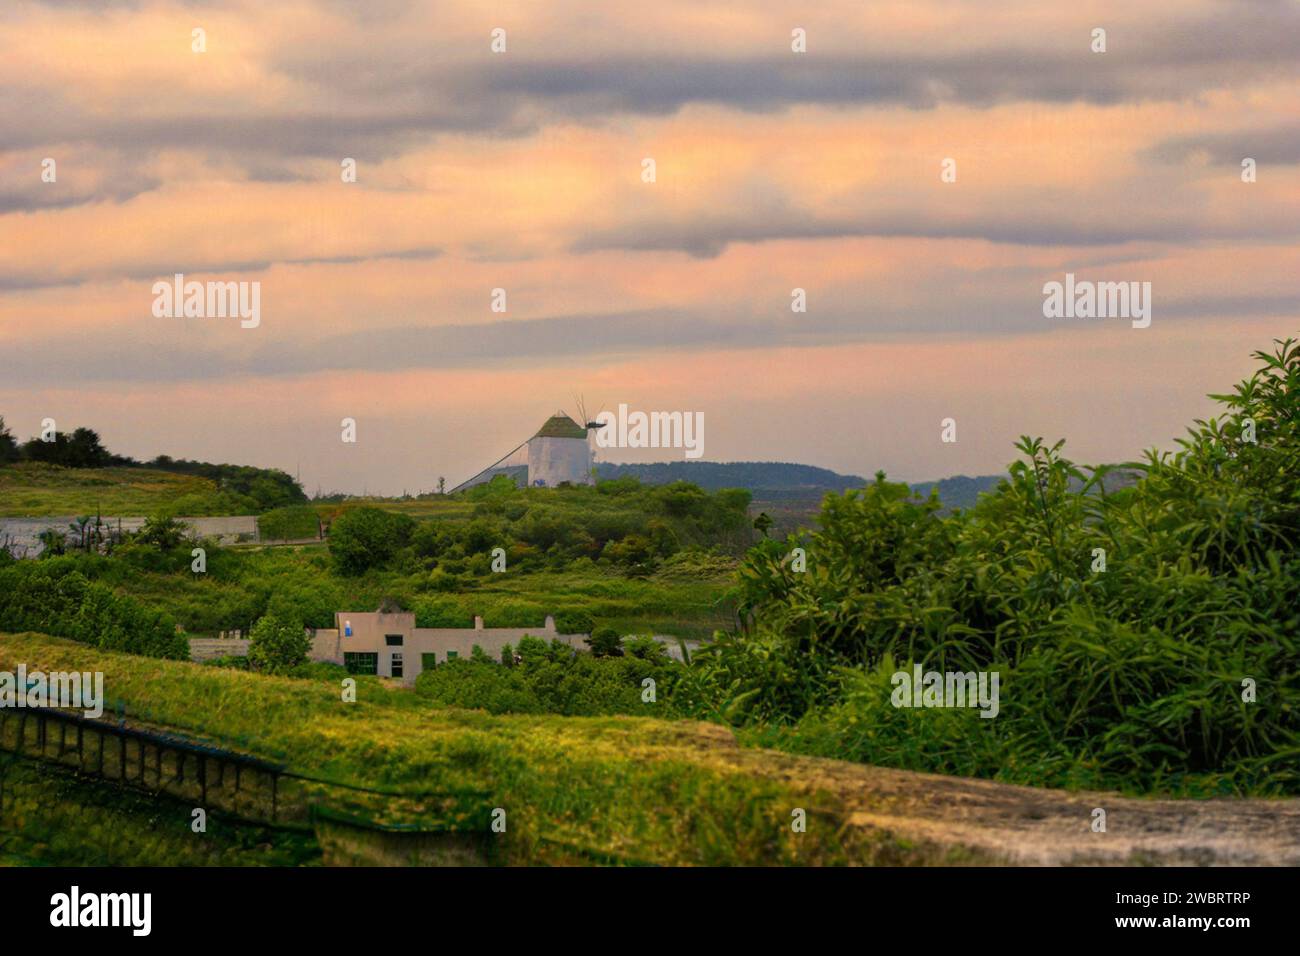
522, 170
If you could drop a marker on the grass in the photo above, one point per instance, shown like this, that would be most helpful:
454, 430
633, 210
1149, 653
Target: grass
53, 818
35, 489
625, 789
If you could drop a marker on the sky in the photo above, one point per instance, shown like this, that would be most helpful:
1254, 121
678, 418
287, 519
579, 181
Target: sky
524, 170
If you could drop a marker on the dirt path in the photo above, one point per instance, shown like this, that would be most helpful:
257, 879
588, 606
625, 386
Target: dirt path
1032, 826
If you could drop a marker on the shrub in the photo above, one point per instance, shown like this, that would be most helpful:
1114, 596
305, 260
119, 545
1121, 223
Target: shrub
293, 521
53, 597
366, 538
1131, 675
277, 646
605, 642
574, 622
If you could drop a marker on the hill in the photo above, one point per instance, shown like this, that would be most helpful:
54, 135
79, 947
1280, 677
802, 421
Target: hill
573, 790
754, 475
959, 491
36, 489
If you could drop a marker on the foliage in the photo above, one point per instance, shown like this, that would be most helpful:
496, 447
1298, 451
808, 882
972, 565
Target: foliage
277, 645
163, 532
80, 449
1131, 676
9, 450
547, 681
620, 789
289, 522
52, 596
605, 642
366, 538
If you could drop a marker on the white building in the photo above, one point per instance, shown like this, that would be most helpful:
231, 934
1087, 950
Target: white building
559, 452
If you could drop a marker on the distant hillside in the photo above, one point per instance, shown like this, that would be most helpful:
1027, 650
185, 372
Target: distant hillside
35, 489
754, 475
960, 491
74, 473
963, 492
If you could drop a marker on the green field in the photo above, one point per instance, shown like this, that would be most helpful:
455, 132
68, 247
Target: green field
34, 489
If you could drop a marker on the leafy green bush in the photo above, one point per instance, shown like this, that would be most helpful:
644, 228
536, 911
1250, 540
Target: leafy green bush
574, 622
550, 680
605, 642
290, 522
277, 645
366, 538
1128, 621
54, 597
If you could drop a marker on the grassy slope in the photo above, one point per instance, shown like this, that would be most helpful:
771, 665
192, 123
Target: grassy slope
640, 790
624, 789
52, 818
33, 489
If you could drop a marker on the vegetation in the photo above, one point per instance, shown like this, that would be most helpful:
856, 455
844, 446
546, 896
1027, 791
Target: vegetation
1144, 631
52, 596
277, 645
1146, 639
366, 538
550, 679
54, 818
293, 522
715, 475
74, 473
576, 789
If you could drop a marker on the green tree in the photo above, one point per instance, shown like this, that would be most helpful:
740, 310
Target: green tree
9, 450
366, 538
605, 642
163, 532
277, 645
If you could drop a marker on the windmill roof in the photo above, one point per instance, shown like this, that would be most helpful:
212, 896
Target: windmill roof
561, 425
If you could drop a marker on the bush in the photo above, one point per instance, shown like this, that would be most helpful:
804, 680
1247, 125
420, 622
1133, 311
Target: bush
366, 538
605, 642
1132, 674
550, 680
292, 522
277, 646
574, 622
55, 598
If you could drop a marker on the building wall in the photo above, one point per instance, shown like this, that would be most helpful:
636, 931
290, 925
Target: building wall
370, 631
207, 648
554, 460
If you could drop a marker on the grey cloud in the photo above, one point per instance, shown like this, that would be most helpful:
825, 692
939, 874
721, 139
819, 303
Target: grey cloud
198, 349
708, 238
160, 270
379, 105
1277, 145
